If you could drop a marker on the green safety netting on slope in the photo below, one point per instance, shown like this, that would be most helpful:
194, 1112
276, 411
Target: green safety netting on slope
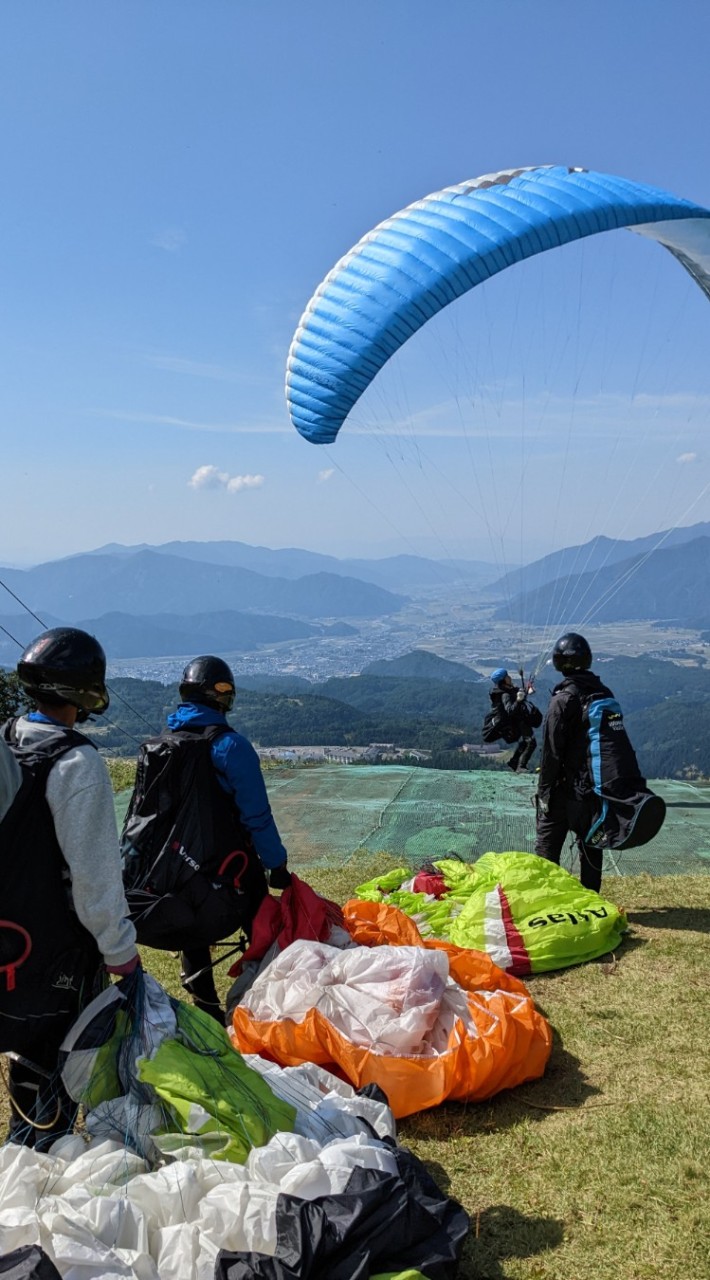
327, 813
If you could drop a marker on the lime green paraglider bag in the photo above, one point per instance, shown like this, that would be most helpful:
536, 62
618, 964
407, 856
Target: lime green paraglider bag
528, 914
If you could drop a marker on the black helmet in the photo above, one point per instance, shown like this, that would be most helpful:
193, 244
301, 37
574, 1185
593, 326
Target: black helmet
65, 665
208, 680
572, 653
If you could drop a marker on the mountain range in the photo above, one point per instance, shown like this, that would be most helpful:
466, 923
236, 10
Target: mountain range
595, 556
394, 573
670, 584
146, 582
183, 597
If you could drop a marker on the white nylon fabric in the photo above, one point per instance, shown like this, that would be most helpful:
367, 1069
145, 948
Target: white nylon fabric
100, 1214
395, 1000
326, 1107
494, 931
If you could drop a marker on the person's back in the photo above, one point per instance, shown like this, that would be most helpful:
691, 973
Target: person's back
62, 882
245, 839
564, 757
565, 798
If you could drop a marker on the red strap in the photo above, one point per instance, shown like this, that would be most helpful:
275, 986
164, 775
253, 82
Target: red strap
10, 969
236, 853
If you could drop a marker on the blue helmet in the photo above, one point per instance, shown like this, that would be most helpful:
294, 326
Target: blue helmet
499, 675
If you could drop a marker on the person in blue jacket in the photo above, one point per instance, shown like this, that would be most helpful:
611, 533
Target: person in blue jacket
207, 693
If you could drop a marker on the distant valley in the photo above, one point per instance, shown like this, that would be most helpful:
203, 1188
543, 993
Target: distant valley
293, 613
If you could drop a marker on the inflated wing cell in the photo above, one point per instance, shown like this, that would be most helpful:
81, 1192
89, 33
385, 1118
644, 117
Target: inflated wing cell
427, 255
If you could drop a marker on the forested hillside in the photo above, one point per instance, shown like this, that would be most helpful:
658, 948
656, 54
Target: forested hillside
667, 709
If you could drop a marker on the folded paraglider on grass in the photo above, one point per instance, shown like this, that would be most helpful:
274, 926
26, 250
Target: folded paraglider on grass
423, 1021
196, 1162
528, 914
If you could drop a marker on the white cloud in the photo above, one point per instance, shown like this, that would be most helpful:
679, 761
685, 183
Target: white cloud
236, 483
210, 477
687, 457
325, 475
171, 239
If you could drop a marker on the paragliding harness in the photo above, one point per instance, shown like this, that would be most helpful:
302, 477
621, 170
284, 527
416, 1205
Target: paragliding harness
628, 814
500, 726
47, 957
497, 724
190, 871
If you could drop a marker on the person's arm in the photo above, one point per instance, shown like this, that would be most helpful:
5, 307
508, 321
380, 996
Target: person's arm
513, 706
238, 764
10, 778
554, 743
81, 802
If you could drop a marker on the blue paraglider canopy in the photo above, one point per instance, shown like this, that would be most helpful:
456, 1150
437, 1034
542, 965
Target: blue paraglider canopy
415, 263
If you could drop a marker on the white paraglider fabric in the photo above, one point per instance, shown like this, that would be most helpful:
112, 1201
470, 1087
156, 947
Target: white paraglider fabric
400, 1000
100, 1213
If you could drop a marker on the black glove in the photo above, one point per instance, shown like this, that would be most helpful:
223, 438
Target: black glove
279, 877
542, 804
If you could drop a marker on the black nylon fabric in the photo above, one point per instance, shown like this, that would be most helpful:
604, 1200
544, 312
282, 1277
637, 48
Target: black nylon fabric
380, 1223
191, 874
38, 922
200, 914
28, 1263
179, 819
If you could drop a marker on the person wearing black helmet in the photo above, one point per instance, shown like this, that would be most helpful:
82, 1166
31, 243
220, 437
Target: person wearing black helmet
64, 909
207, 691
516, 717
565, 800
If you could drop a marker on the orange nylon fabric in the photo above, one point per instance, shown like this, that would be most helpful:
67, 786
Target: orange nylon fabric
511, 1043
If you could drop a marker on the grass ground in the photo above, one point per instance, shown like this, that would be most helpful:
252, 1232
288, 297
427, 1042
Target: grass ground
600, 1170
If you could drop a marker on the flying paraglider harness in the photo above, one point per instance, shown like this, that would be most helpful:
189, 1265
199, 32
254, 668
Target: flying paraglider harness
513, 719
190, 871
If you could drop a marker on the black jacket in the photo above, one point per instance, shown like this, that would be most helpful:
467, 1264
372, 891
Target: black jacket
523, 716
564, 760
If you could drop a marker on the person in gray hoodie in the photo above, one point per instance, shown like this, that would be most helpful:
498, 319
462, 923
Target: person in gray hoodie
10, 778
64, 895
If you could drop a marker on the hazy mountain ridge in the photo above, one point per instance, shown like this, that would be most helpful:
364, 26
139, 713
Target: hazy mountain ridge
150, 583
591, 557
398, 573
126, 635
421, 664
669, 584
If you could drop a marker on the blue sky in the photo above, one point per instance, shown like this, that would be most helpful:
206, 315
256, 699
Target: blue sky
177, 179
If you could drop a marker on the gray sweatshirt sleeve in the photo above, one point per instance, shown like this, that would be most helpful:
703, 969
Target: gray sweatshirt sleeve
10, 778
80, 798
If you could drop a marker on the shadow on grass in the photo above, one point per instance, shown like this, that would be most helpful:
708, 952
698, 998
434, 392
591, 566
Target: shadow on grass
501, 1232
563, 1087
692, 919
630, 942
